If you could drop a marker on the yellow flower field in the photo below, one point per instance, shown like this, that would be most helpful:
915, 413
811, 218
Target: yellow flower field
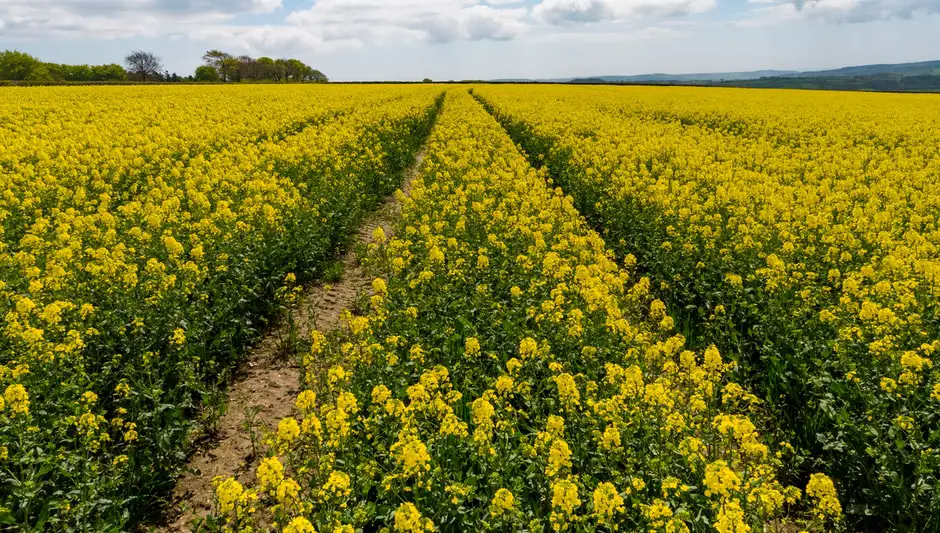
144, 233
799, 232
512, 376
601, 308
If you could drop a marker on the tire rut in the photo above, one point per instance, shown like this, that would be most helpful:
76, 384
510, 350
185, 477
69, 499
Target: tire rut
267, 383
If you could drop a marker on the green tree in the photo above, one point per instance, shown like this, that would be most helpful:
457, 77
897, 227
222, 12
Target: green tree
231, 69
221, 62
296, 70
245, 67
280, 70
207, 73
266, 68
109, 72
16, 65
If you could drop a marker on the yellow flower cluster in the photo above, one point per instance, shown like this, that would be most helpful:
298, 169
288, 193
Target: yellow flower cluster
234, 503
821, 490
143, 232
799, 232
471, 401
503, 503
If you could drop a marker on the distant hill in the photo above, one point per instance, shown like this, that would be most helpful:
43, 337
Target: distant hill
923, 68
919, 76
710, 76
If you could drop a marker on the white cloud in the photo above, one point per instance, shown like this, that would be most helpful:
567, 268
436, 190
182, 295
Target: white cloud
118, 18
484, 22
571, 12
330, 25
326, 24
842, 11
408, 20
610, 37
565, 12
277, 41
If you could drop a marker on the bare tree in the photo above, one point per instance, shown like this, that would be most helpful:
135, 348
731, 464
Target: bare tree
143, 65
248, 68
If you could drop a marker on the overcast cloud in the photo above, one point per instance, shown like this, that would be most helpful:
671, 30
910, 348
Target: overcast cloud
846, 11
402, 39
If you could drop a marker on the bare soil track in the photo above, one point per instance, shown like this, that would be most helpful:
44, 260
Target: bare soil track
266, 385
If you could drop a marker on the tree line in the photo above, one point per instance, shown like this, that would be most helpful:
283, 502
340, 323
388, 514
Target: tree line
19, 66
222, 66
145, 66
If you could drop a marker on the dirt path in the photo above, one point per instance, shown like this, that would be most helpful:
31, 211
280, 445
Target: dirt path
267, 383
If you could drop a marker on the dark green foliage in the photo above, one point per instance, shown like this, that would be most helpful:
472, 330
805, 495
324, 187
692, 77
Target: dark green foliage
207, 73
18, 66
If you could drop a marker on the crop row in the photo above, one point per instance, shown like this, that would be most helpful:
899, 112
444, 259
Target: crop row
144, 235
510, 375
799, 232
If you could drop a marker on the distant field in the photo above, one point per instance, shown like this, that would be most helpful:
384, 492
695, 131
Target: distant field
633, 308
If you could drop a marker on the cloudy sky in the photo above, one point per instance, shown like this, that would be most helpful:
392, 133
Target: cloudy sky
459, 39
